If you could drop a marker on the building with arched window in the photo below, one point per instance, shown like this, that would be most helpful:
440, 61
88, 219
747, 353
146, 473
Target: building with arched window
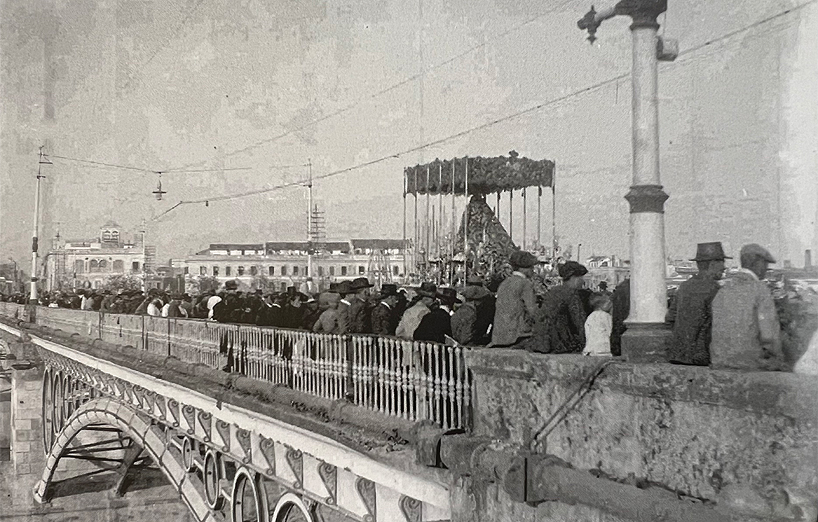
90, 263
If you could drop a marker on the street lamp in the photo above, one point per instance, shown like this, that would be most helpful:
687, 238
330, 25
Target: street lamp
579, 249
648, 294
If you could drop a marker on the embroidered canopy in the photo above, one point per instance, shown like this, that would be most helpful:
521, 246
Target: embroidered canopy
486, 175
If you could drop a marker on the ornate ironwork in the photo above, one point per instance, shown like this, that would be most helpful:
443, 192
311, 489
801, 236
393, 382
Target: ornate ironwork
366, 490
295, 460
329, 475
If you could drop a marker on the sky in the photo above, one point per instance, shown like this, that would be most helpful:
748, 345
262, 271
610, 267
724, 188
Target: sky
368, 87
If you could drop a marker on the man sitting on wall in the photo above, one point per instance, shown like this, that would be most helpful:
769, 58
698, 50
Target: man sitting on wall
690, 314
746, 331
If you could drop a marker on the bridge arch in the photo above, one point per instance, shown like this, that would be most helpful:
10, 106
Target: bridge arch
110, 413
290, 508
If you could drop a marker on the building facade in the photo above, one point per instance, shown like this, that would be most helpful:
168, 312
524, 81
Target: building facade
276, 265
89, 263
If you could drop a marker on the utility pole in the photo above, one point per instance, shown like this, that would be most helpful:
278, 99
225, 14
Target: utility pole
309, 220
646, 335
144, 257
43, 160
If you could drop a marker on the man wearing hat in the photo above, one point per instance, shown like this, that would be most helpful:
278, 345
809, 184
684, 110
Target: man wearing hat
437, 324
426, 295
690, 314
746, 331
384, 315
516, 304
466, 327
358, 319
345, 290
561, 328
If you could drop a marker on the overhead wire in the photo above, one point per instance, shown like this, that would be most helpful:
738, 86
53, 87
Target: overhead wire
491, 123
152, 171
398, 84
173, 34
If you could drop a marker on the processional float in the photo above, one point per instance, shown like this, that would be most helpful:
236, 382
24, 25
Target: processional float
443, 251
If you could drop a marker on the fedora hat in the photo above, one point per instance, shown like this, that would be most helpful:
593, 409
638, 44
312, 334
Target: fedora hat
359, 283
710, 252
388, 289
427, 290
474, 292
344, 288
448, 296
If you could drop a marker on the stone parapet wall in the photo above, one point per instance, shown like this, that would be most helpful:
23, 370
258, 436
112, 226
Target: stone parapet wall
745, 443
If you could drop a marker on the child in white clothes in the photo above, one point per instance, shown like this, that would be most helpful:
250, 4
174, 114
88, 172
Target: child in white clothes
598, 327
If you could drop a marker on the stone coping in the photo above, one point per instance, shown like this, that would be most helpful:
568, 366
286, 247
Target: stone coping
766, 393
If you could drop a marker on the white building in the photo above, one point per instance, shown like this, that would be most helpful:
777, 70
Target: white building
87, 263
279, 264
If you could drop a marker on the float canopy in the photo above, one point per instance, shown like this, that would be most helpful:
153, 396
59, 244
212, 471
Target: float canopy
486, 175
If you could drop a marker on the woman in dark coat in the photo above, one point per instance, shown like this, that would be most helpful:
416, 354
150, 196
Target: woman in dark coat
561, 326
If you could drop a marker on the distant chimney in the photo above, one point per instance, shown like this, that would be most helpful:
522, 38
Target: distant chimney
807, 258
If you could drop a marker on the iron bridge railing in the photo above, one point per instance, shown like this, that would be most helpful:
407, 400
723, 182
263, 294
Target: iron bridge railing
408, 379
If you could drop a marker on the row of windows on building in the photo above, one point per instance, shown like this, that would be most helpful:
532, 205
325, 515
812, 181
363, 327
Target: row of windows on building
102, 265
284, 271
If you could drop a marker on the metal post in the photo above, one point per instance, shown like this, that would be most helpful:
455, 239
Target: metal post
554, 216
417, 235
426, 219
404, 225
646, 337
539, 217
466, 226
511, 214
440, 213
525, 209
453, 239
34, 237
144, 257
309, 220
646, 197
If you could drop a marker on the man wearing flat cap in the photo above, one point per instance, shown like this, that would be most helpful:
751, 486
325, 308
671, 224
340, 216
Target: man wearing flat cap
466, 326
516, 303
746, 331
690, 314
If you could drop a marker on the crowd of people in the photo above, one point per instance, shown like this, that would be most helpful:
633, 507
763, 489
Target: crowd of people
721, 322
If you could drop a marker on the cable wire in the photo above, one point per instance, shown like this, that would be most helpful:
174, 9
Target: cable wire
152, 171
488, 124
401, 83
173, 34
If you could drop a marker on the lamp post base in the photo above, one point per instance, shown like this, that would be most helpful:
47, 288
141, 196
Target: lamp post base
646, 342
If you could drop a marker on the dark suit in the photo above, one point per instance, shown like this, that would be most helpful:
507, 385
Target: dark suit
434, 326
358, 316
384, 319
